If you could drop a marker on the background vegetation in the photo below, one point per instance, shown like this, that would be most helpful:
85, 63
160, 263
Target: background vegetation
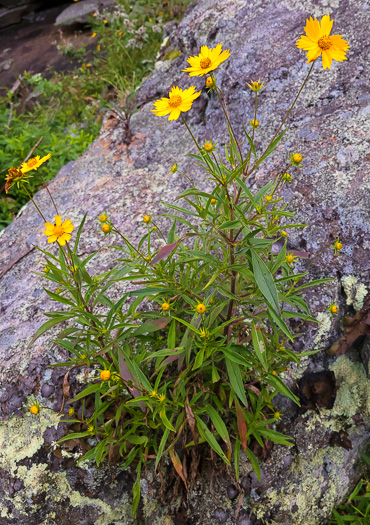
67, 109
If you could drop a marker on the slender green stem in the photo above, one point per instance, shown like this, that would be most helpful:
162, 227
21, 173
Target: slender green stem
286, 116
47, 189
30, 196
192, 136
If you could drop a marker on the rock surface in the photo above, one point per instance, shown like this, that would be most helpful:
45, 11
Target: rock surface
80, 12
330, 123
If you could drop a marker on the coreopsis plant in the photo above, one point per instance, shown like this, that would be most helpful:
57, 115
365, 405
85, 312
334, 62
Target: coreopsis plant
192, 355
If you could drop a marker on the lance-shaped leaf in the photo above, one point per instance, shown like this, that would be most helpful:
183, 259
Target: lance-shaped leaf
242, 425
127, 376
165, 252
265, 281
152, 326
207, 435
259, 346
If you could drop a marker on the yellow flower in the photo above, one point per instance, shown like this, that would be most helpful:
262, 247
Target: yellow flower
287, 177
209, 82
146, 219
154, 229
284, 233
161, 398
71, 411
338, 245
105, 375
34, 163
211, 301
90, 428
201, 308
47, 269
207, 60
103, 218
254, 123
34, 410
208, 146
120, 33
256, 85
93, 35
274, 373
333, 309
297, 157
268, 198
98, 47
277, 415
318, 42
290, 258
58, 231
105, 21
153, 393
179, 101
165, 307
174, 168
213, 201
14, 176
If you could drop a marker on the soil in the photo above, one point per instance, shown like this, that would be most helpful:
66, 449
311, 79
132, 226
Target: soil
32, 45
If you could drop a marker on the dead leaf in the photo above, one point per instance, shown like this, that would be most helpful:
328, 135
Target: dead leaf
191, 420
177, 464
242, 425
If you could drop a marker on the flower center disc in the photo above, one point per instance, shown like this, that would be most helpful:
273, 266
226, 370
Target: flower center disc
175, 101
205, 63
324, 42
58, 230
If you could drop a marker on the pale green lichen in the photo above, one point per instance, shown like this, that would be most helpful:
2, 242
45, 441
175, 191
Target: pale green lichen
355, 292
301, 505
353, 389
325, 325
22, 438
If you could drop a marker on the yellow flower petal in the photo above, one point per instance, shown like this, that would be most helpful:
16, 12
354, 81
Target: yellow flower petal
326, 59
49, 232
312, 29
53, 238
306, 43
58, 220
61, 241
48, 225
175, 113
326, 25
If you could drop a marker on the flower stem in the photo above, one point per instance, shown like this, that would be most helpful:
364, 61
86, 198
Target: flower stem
286, 116
47, 189
30, 196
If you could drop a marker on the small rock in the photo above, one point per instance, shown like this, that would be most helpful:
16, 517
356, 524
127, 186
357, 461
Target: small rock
47, 390
232, 492
79, 12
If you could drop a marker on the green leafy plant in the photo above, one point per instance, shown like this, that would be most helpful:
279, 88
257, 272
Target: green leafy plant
192, 354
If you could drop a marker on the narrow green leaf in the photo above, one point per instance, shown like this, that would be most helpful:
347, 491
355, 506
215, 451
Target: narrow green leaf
49, 324
254, 462
207, 435
265, 281
163, 417
236, 380
89, 390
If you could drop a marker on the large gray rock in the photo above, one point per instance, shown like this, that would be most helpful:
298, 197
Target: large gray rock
329, 125
80, 12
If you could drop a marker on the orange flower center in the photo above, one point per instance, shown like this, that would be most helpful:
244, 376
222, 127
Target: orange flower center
58, 230
324, 42
31, 163
175, 101
205, 63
